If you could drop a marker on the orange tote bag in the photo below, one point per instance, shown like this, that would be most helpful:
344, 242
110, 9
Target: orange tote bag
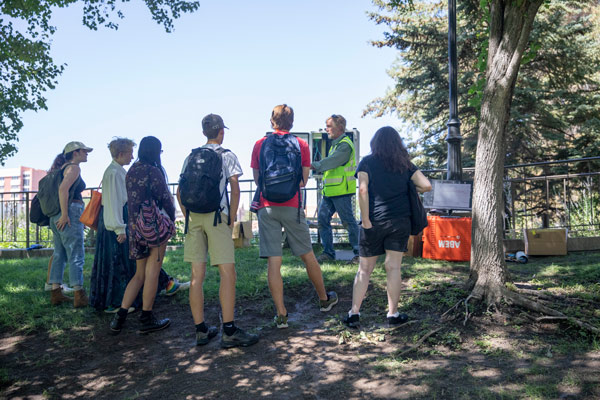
91, 213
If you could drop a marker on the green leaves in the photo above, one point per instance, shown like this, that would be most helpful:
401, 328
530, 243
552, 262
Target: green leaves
555, 107
530, 54
26, 69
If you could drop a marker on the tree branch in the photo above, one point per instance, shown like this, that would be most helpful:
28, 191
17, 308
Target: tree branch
522, 301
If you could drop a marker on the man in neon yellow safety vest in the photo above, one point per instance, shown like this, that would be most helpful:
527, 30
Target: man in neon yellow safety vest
339, 185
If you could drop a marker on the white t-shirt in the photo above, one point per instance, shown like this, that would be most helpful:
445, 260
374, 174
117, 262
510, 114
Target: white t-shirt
231, 167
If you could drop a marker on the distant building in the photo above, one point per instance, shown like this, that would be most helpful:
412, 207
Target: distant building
20, 179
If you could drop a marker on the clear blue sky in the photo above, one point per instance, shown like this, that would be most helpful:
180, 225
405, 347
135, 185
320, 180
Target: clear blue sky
233, 58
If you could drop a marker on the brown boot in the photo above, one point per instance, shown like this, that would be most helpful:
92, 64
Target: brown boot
80, 300
57, 297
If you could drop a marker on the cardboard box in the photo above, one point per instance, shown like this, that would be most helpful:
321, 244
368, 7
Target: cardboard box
415, 246
242, 233
545, 242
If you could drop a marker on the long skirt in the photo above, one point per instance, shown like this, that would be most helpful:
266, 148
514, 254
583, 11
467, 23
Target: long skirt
112, 268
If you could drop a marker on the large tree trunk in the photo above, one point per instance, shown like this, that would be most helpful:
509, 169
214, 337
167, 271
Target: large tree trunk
510, 26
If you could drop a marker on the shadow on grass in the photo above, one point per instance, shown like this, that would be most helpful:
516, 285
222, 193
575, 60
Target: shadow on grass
495, 356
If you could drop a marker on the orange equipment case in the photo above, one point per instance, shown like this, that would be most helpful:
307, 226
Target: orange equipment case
447, 238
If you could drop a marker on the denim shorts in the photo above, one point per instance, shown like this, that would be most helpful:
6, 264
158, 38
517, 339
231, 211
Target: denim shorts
391, 235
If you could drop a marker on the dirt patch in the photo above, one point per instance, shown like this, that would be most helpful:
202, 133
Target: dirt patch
493, 356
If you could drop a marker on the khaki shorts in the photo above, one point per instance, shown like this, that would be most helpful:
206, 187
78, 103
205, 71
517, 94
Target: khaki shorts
204, 239
270, 222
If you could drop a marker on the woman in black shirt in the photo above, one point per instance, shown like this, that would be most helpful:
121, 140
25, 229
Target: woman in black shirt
384, 205
66, 228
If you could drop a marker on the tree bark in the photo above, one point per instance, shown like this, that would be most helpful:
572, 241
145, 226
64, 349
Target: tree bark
510, 26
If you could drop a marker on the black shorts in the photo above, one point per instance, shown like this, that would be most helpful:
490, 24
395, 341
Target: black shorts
384, 235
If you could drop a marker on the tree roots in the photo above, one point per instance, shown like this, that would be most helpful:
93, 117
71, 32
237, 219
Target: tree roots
517, 298
548, 313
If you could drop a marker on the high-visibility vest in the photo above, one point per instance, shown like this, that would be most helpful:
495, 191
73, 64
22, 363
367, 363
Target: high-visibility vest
340, 180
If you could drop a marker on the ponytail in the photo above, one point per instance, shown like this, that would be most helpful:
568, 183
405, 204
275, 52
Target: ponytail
60, 160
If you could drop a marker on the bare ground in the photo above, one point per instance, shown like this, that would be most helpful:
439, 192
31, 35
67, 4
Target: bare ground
494, 356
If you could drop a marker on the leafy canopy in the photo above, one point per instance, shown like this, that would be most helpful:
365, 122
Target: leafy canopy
27, 70
556, 101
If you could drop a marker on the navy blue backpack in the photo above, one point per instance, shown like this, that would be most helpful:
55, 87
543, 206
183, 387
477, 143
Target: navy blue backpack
280, 168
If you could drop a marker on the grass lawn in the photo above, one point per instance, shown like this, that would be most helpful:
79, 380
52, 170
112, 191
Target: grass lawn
499, 353
24, 305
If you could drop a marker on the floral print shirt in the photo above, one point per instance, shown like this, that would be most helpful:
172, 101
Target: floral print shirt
143, 181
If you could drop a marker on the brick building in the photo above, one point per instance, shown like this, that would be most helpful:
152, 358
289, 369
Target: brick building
19, 179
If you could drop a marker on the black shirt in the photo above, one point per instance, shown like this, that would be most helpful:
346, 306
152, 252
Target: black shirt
76, 188
388, 191
79, 187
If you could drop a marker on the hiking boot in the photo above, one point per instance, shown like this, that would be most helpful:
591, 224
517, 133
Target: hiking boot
281, 321
203, 338
80, 299
152, 324
324, 257
332, 300
351, 320
116, 324
57, 297
397, 320
239, 338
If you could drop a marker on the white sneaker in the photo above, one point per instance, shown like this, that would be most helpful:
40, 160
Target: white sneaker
175, 288
65, 288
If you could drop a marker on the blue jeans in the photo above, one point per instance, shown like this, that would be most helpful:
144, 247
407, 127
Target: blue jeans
343, 206
68, 247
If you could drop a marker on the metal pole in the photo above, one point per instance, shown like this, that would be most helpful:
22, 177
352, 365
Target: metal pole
27, 241
454, 139
546, 215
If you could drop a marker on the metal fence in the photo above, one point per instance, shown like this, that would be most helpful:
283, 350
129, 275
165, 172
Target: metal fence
562, 194
17, 232
549, 194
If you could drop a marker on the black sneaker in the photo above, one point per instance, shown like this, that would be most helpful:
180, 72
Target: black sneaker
152, 324
352, 321
116, 324
239, 338
203, 338
399, 320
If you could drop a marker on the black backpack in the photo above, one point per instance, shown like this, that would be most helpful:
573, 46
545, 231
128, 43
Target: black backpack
199, 183
280, 168
35, 213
